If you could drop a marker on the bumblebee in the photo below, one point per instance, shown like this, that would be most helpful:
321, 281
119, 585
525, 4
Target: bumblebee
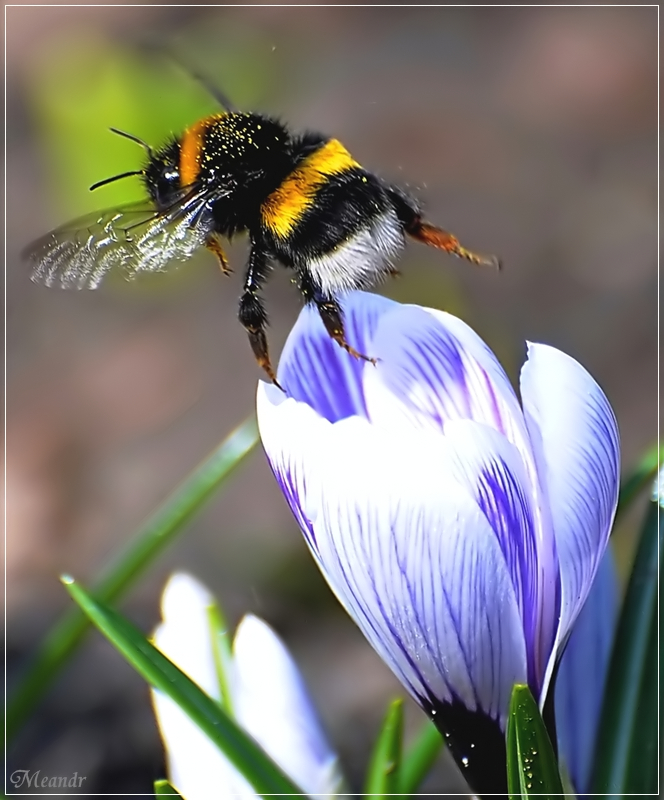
303, 200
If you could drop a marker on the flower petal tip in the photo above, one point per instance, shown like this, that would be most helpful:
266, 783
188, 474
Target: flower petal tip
184, 594
270, 393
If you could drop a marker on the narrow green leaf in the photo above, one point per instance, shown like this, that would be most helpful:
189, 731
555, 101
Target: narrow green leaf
627, 734
162, 788
531, 764
222, 654
640, 478
568, 788
238, 747
643, 762
158, 531
383, 773
419, 758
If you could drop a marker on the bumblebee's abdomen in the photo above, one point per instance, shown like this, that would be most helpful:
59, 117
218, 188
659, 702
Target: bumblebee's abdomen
348, 237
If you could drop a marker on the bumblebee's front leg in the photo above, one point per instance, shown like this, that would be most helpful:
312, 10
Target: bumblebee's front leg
214, 246
331, 315
252, 312
410, 218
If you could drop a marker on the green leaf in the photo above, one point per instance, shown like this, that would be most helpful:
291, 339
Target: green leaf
238, 747
626, 754
641, 477
383, 773
222, 654
642, 762
531, 763
162, 788
419, 758
160, 529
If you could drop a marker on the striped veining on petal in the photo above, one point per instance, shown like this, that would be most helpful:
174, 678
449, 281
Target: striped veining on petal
293, 437
319, 373
314, 369
507, 510
418, 571
576, 443
493, 472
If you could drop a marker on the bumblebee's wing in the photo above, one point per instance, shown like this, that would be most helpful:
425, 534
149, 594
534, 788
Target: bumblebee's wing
132, 239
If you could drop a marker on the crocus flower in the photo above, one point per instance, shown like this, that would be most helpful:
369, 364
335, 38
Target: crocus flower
578, 701
267, 698
460, 529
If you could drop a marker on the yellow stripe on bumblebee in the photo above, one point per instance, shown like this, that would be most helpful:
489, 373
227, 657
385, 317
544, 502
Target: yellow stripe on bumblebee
191, 149
283, 209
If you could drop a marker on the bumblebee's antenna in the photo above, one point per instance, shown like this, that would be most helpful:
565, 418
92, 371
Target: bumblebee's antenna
205, 82
116, 177
213, 90
133, 138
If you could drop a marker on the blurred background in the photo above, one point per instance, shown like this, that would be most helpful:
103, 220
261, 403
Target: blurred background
528, 132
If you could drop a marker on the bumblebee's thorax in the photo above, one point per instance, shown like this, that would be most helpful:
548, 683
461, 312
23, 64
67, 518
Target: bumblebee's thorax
239, 159
237, 145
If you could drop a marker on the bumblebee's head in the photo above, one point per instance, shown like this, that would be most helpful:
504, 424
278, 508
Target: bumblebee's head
161, 175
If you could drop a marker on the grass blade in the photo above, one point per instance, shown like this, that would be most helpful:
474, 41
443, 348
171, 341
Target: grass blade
642, 476
383, 773
532, 769
159, 530
631, 689
238, 747
162, 788
419, 758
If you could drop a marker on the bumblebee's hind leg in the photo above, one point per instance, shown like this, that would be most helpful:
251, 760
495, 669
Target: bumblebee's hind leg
410, 218
332, 317
252, 312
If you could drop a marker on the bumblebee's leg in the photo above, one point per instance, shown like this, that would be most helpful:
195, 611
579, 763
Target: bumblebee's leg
252, 312
332, 316
410, 218
213, 245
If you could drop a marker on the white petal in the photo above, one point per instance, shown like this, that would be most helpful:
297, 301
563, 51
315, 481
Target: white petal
576, 443
273, 706
195, 764
184, 634
414, 561
293, 436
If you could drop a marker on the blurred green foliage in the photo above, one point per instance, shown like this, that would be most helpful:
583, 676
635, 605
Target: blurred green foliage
90, 84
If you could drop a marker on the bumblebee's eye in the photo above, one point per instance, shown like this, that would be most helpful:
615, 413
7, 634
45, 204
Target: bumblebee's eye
167, 186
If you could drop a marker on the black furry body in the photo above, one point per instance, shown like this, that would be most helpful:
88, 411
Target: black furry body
302, 199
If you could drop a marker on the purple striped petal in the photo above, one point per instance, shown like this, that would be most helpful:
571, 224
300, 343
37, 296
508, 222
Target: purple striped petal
412, 558
579, 700
433, 368
313, 369
576, 444
492, 471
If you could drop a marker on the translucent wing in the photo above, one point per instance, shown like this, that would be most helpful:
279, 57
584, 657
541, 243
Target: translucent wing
132, 239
